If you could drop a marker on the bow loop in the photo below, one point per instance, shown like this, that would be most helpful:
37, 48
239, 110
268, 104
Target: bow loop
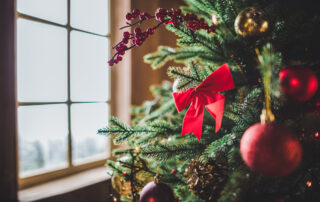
219, 80
204, 96
183, 99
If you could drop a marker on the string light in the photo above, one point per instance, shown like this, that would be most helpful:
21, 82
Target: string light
316, 134
138, 148
309, 183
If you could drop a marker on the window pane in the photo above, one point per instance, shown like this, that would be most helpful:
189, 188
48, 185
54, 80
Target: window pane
43, 132
52, 10
86, 119
42, 62
89, 70
90, 15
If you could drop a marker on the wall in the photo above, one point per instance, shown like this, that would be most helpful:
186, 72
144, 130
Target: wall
99, 192
142, 74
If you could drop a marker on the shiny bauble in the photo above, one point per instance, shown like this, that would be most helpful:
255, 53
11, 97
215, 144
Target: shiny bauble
270, 150
298, 83
251, 22
156, 192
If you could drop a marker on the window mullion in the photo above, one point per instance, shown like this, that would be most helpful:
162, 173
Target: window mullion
69, 93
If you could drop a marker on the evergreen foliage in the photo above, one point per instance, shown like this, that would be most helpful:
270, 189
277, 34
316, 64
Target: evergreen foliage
293, 39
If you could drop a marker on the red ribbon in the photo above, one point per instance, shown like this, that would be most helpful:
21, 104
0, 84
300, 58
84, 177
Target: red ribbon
204, 95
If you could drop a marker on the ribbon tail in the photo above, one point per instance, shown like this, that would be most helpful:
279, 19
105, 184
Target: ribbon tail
216, 111
192, 122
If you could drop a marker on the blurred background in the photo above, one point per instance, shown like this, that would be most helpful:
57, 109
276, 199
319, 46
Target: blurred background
57, 90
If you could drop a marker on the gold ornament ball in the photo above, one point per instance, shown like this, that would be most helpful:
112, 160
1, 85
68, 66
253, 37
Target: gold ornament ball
251, 22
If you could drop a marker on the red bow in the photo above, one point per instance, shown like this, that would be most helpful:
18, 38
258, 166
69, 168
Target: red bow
204, 95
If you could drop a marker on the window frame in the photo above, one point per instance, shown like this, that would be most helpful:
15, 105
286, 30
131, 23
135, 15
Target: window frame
45, 176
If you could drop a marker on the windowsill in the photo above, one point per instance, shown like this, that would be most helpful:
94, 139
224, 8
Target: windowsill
64, 185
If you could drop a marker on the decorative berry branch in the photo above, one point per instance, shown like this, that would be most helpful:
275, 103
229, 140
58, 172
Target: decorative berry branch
164, 16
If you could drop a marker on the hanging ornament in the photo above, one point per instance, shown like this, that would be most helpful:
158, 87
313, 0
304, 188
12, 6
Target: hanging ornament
270, 149
267, 148
206, 178
298, 83
251, 22
156, 191
120, 185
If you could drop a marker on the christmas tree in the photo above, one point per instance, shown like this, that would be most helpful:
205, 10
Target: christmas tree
241, 120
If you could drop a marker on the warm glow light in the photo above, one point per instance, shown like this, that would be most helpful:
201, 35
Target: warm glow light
214, 19
151, 200
313, 84
316, 135
309, 183
264, 26
138, 148
294, 82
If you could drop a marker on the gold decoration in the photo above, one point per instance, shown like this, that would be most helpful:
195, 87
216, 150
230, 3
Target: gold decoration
143, 178
120, 185
266, 114
206, 178
251, 22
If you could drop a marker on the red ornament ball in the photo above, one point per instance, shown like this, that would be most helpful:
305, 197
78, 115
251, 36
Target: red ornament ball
156, 192
270, 150
298, 83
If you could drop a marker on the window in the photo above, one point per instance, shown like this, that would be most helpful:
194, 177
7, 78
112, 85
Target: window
62, 86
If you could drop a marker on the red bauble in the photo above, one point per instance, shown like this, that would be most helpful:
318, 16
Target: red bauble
270, 150
298, 83
156, 192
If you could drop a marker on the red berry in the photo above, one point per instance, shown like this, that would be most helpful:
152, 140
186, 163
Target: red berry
124, 173
136, 12
162, 11
110, 62
137, 30
128, 16
138, 43
119, 58
173, 171
150, 31
125, 41
126, 35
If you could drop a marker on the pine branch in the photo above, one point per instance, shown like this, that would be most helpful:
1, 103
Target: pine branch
219, 148
179, 55
121, 131
164, 152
